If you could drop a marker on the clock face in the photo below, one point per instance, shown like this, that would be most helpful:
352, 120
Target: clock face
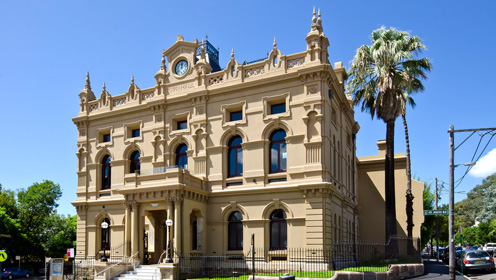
181, 67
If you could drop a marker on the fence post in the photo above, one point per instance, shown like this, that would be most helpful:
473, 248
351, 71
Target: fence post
253, 255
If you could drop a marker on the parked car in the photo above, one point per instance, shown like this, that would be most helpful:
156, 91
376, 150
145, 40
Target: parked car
15, 272
471, 248
445, 257
489, 247
475, 259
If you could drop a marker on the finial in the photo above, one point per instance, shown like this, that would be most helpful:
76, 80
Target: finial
87, 84
202, 49
232, 53
314, 20
104, 87
162, 67
275, 43
132, 79
319, 22
179, 38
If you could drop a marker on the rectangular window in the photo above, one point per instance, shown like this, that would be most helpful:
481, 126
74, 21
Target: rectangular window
106, 138
182, 125
278, 108
236, 116
135, 133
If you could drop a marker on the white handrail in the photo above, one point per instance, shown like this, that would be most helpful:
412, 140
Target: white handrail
159, 261
127, 260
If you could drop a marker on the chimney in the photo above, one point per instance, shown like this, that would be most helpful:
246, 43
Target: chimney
381, 145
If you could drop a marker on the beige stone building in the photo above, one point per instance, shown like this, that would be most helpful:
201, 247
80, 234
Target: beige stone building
264, 148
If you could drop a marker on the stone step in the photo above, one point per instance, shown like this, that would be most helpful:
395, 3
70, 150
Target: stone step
144, 272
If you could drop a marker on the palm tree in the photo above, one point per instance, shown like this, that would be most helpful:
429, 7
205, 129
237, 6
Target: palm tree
380, 75
407, 99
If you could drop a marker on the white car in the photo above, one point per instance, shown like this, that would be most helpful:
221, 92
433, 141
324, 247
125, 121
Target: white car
489, 247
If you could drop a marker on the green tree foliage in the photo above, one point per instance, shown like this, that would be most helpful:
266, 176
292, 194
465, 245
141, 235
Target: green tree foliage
489, 205
428, 227
29, 224
62, 231
36, 204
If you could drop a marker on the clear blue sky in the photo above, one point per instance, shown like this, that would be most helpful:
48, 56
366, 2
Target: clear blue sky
47, 47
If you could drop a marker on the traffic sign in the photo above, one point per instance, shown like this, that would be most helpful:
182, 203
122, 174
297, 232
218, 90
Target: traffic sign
436, 212
3, 256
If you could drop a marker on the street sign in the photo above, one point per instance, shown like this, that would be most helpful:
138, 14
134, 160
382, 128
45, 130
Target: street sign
436, 212
3, 256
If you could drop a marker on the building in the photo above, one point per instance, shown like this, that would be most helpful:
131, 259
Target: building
264, 148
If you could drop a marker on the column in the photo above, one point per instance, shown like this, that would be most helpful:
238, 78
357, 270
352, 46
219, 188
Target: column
127, 229
134, 229
169, 231
177, 225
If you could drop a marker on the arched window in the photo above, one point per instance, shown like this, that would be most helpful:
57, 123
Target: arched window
182, 156
278, 230
278, 153
134, 167
106, 174
105, 241
235, 231
235, 157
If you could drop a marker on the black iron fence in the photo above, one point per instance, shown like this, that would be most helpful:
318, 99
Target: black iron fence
84, 268
301, 262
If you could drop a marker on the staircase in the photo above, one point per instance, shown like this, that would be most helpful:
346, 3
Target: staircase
143, 272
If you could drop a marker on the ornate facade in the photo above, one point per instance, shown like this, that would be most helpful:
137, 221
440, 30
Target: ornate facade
264, 148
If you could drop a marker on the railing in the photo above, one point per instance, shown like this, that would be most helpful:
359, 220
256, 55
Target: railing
127, 260
83, 268
158, 263
301, 262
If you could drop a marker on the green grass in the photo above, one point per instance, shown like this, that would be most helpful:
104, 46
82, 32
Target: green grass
307, 274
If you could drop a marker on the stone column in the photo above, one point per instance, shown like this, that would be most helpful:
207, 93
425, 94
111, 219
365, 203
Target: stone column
177, 225
169, 232
135, 228
127, 229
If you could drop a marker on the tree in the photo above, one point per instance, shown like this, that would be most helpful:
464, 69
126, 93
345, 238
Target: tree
379, 76
428, 226
62, 232
35, 205
489, 205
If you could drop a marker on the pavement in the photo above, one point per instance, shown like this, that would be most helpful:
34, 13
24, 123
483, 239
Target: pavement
437, 270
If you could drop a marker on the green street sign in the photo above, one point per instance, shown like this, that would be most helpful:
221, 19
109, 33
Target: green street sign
444, 212
3, 256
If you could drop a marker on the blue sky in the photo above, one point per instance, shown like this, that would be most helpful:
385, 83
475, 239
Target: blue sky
47, 47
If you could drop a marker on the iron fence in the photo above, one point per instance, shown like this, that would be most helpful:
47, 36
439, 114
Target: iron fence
301, 262
84, 268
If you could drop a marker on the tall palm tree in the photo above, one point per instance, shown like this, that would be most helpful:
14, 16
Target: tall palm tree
407, 99
380, 74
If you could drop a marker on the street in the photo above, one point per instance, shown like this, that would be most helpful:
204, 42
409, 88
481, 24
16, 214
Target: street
440, 270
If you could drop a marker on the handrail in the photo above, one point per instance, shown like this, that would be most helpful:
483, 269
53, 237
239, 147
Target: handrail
161, 255
159, 261
127, 260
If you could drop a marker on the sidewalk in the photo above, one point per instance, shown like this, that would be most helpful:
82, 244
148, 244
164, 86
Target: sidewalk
437, 270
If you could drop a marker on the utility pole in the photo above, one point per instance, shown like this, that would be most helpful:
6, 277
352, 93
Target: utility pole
452, 166
451, 132
437, 228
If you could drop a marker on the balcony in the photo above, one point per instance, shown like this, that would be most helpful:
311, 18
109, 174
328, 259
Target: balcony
161, 178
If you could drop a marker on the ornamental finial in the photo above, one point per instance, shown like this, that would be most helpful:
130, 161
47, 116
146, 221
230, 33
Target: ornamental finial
202, 49
104, 87
162, 67
319, 22
232, 53
132, 79
275, 43
87, 85
314, 20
